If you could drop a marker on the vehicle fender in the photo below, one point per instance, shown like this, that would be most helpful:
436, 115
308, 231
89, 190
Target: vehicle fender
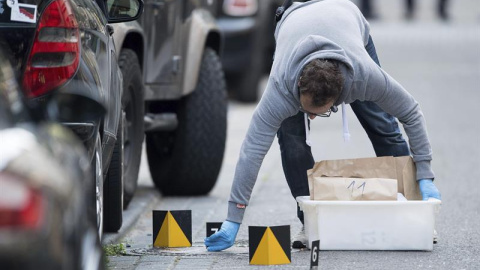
202, 31
129, 35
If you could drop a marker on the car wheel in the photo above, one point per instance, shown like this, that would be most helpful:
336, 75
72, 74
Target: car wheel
90, 250
188, 160
133, 105
113, 186
245, 84
87, 247
96, 209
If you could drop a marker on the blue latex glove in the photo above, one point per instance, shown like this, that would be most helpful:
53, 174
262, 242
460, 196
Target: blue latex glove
224, 238
428, 189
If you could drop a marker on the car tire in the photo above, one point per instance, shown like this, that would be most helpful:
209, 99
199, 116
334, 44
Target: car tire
187, 161
133, 104
245, 84
113, 186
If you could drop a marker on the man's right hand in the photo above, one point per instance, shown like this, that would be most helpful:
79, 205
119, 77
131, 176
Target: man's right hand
224, 238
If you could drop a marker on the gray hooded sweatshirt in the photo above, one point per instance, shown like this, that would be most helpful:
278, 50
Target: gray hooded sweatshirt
328, 29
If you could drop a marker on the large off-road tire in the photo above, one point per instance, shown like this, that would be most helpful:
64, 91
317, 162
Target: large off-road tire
133, 105
113, 187
188, 160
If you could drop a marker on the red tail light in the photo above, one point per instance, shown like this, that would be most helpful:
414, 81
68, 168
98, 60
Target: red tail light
21, 207
55, 53
240, 7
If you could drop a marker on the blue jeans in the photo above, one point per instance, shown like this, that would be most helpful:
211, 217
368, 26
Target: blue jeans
381, 128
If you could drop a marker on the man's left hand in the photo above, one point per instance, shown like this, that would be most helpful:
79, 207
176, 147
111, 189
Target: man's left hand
428, 189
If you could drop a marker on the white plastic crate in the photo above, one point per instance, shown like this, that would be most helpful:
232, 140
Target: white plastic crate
370, 225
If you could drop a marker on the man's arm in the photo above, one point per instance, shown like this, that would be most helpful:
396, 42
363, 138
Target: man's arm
273, 108
382, 89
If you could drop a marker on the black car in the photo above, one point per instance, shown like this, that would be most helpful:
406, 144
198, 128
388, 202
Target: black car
65, 46
248, 27
44, 179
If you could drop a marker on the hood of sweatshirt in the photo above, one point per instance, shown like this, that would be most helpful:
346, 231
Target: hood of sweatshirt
302, 51
317, 47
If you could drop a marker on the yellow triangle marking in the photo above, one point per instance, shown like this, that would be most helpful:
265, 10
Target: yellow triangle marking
269, 251
162, 237
171, 235
176, 237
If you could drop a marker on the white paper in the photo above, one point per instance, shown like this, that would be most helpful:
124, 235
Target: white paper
401, 198
22, 12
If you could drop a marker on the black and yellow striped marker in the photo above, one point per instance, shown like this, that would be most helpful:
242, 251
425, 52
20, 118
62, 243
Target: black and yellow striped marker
172, 228
269, 245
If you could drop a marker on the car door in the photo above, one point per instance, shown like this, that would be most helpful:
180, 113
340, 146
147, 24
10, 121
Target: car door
161, 20
100, 44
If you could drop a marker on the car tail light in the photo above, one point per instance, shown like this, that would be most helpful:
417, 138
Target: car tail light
21, 207
240, 7
55, 53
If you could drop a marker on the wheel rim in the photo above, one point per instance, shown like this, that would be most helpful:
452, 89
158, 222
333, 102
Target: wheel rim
124, 162
99, 192
128, 115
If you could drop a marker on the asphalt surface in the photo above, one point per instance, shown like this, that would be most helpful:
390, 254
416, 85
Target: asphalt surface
439, 63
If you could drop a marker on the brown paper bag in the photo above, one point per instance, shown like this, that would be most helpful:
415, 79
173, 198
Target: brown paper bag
400, 168
354, 189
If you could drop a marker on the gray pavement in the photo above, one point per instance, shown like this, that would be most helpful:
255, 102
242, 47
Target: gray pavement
439, 63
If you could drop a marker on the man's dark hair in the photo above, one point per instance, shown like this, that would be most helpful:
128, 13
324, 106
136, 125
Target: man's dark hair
322, 80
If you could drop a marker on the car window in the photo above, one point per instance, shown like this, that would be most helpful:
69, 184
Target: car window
122, 8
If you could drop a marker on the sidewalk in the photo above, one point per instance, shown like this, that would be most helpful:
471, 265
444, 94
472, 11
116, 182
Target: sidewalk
439, 63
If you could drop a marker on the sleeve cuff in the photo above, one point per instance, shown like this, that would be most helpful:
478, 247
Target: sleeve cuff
424, 170
235, 214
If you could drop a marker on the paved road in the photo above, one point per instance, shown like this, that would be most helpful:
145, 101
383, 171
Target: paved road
440, 65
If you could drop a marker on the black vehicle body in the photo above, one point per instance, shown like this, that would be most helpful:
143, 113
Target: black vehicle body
71, 51
169, 59
45, 178
97, 75
249, 43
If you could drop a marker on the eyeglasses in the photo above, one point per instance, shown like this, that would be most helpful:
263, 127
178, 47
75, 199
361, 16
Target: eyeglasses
325, 114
